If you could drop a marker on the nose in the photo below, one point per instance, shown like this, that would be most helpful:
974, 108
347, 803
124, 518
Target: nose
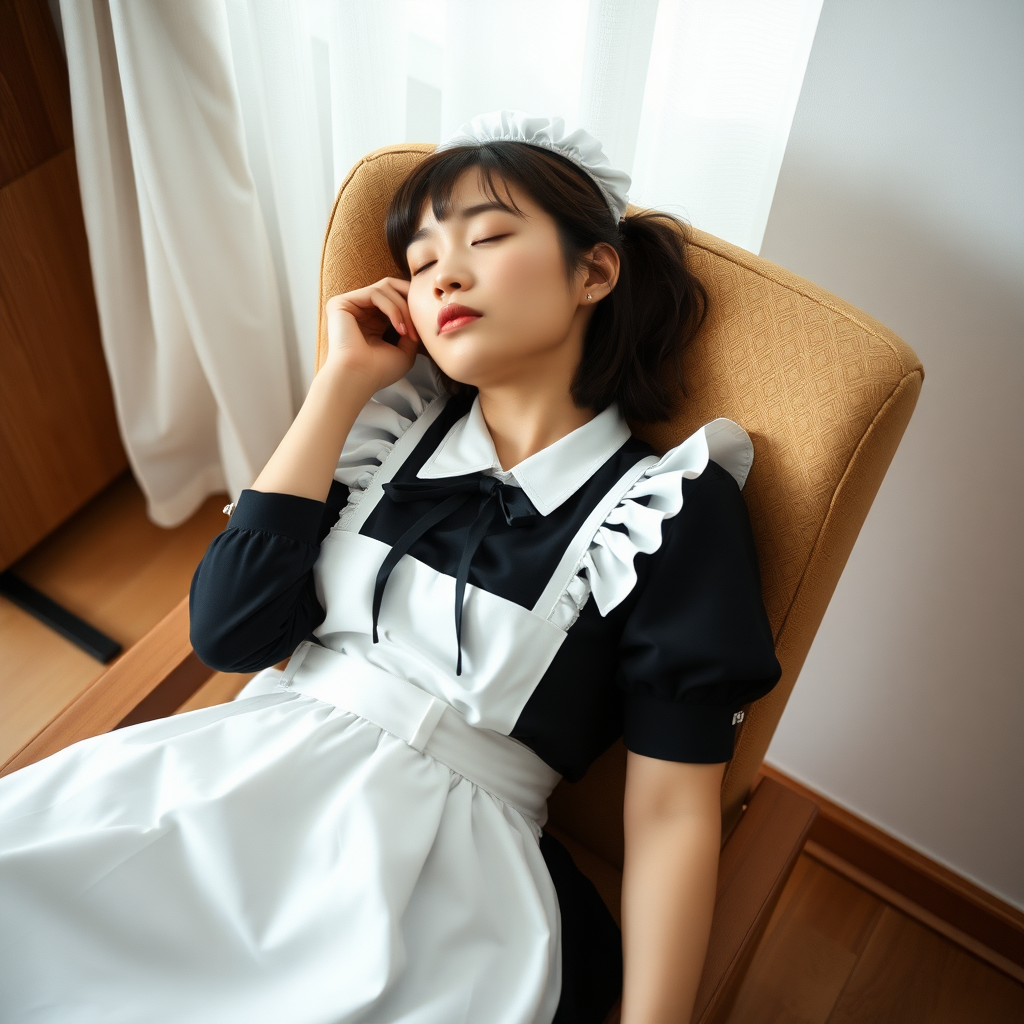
449, 279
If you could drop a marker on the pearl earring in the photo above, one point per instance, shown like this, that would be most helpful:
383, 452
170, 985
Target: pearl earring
588, 297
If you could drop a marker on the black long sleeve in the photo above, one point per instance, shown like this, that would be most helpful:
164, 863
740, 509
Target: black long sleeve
252, 599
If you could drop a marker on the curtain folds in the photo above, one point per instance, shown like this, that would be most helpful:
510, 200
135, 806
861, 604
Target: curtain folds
212, 135
184, 281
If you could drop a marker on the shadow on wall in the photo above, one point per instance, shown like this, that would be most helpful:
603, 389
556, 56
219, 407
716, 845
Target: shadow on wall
906, 707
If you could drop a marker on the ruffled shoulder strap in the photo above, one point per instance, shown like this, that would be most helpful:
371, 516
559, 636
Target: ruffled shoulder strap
382, 421
721, 441
605, 568
391, 423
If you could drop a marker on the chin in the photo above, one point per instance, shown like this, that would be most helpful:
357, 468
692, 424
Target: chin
465, 367
464, 375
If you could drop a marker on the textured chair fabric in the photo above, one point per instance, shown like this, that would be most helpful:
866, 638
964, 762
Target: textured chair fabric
824, 391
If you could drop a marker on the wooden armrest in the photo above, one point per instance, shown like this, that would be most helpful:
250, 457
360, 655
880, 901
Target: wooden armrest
755, 865
151, 679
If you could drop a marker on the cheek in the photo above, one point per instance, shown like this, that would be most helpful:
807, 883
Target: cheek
423, 308
531, 280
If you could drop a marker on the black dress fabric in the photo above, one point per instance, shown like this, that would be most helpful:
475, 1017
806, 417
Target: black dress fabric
668, 669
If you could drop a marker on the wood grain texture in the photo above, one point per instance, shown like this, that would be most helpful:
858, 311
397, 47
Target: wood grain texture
113, 567
909, 975
218, 689
35, 102
117, 692
170, 692
935, 895
809, 951
755, 864
914, 910
59, 441
835, 953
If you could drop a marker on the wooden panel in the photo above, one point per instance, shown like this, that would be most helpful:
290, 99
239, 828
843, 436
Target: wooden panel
836, 954
116, 693
606, 877
909, 975
110, 565
42, 673
218, 689
815, 939
59, 442
170, 693
35, 104
755, 865
922, 888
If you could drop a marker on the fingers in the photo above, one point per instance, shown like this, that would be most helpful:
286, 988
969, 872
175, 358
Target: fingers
389, 296
398, 289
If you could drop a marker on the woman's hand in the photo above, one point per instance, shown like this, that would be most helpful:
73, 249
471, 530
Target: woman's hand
356, 322
359, 363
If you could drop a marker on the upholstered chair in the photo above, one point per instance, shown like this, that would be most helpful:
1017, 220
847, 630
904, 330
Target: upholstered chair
824, 391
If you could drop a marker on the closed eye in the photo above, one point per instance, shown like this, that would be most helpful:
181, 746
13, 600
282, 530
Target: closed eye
491, 238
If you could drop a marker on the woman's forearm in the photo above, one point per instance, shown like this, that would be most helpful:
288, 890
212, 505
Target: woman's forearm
305, 460
668, 891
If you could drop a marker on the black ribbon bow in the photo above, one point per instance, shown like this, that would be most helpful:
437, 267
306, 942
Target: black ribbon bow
455, 491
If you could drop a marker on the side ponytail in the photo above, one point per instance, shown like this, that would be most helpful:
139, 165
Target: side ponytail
637, 333
635, 339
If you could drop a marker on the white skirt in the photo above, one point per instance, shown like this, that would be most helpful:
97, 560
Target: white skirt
273, 859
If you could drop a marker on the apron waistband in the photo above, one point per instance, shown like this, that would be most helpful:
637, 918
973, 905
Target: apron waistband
499, 764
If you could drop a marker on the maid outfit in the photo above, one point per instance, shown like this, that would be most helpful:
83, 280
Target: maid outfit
360, 837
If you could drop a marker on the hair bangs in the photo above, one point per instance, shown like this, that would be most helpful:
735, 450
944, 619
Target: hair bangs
433, 181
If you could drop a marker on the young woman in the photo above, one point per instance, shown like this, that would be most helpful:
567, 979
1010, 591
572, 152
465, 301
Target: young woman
482, 579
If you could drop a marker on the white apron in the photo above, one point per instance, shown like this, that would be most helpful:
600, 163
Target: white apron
282, 859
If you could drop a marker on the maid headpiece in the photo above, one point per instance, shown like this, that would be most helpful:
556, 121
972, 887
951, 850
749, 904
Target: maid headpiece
578, 146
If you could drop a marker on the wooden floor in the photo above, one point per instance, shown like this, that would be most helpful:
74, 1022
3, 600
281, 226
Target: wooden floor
219, 689
836, 954
113, 567
833, 952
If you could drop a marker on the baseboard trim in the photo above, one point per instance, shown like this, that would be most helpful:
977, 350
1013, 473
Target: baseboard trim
923, 889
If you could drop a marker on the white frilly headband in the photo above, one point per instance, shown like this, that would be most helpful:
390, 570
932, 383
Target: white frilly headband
578, 146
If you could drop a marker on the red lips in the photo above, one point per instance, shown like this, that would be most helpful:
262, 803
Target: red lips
455, 311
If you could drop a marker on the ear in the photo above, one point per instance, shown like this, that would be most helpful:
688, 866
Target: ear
602, 273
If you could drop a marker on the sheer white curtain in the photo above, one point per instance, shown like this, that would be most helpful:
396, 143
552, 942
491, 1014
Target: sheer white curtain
212, 135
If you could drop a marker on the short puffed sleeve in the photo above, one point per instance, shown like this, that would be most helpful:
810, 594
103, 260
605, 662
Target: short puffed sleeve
697, 644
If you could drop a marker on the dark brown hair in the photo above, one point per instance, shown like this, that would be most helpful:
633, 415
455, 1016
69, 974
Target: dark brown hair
635, 332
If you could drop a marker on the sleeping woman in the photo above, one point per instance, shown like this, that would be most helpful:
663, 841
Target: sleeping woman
482, 580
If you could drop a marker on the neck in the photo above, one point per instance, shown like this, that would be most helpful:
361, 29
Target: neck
528, 406
522, 421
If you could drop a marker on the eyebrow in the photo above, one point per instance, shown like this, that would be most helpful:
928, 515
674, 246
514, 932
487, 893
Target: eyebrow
469, 211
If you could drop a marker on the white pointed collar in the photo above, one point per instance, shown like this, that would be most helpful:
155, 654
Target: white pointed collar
548, 477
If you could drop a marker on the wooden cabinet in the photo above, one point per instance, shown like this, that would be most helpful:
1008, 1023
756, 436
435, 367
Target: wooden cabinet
59, 442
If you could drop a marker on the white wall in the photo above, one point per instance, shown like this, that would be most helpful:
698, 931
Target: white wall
902, 190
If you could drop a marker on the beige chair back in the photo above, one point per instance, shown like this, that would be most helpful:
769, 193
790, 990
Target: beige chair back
824, 391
